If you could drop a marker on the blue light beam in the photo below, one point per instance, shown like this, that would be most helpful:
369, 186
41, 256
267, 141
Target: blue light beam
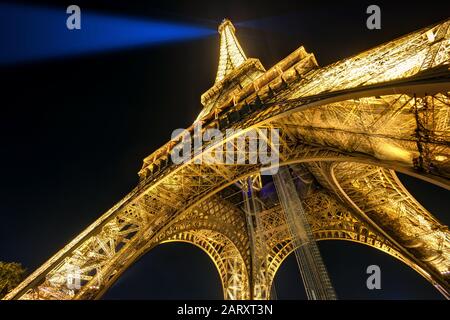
36, 33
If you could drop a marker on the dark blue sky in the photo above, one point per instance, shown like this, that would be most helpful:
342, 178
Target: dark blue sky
74, 132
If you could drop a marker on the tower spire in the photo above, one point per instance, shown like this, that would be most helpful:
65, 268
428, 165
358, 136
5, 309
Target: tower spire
231, 53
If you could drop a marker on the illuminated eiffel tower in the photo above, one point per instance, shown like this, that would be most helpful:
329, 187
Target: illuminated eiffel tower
344, 130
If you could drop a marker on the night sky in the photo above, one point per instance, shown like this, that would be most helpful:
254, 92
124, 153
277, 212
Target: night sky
74, 131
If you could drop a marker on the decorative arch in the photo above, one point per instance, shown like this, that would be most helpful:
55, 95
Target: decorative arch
216, 227
225, 256
289, 248
329, 220
377, 194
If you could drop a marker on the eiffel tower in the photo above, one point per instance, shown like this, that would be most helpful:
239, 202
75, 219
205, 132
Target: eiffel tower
344, 131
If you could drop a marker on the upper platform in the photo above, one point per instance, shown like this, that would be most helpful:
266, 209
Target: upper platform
237, 74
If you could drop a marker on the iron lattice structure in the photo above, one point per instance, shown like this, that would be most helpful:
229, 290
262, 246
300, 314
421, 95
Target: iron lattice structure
344, 131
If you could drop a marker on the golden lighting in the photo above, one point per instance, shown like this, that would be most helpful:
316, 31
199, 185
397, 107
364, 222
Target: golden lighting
440, 157
390, 151
331, 137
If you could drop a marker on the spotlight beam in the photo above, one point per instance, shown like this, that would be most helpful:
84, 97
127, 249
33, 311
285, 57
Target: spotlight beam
29, 33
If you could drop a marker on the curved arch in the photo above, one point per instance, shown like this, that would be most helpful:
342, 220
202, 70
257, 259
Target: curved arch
232, 269
180, 270
217, 227
329, 220
289, 249
396, 215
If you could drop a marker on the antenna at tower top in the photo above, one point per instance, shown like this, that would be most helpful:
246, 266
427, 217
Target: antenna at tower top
226, 23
